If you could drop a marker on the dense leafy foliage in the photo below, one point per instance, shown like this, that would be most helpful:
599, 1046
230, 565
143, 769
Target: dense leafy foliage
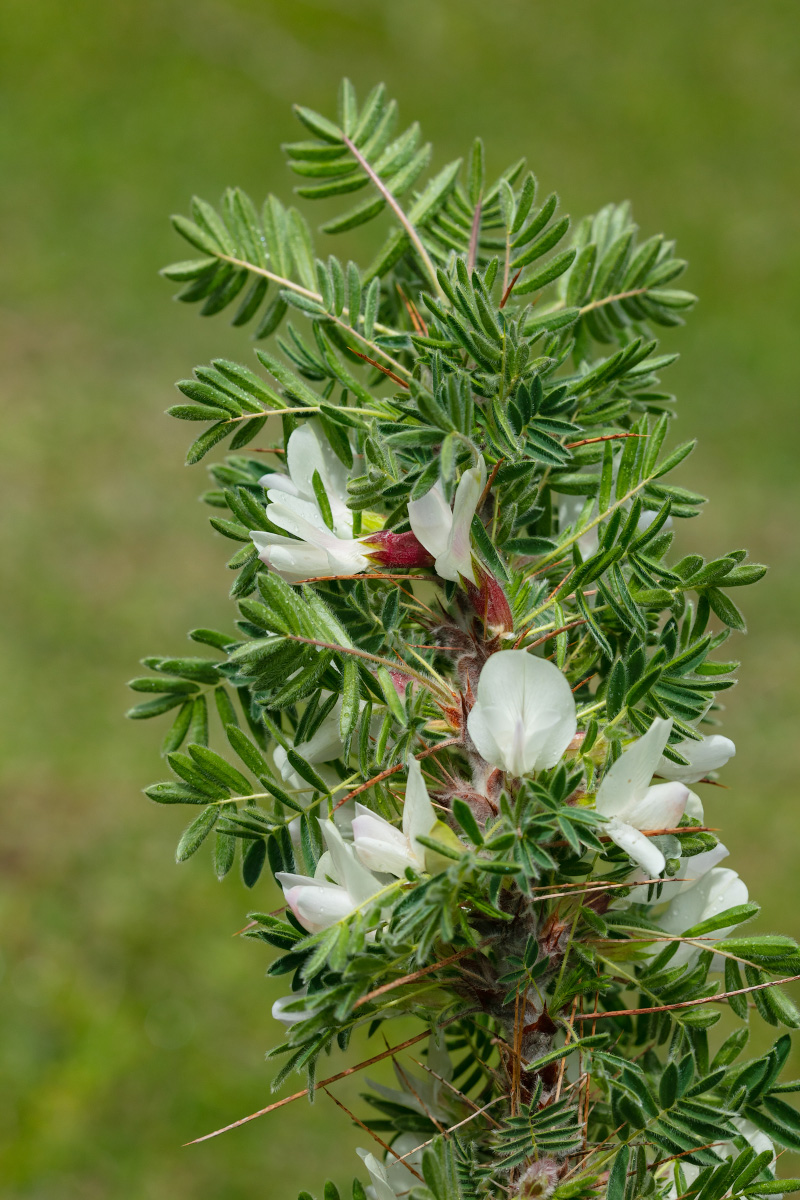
469, 685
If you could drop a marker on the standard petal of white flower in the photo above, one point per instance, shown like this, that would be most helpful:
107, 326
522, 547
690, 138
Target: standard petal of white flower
296, 515
718, 890
694, 808
457, 558
632, 805
524, 716
380, 845
308, 451
277, 482
629, 777
661, 807
431, 520
709, 754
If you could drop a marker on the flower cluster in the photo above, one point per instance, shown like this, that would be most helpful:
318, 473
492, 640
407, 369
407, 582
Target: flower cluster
471, 700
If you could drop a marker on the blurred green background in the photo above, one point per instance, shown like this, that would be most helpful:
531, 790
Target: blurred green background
131, 1019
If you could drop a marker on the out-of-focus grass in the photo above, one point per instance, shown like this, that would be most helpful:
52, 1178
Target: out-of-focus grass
131, 1019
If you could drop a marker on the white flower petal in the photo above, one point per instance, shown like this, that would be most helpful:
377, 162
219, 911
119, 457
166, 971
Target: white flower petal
324, 871
694, 808
380, 845
431, 520
291, 560
397, 1172
320, 552
289, 1018
629, 777
278, 483
418, 812
524, 717
456, 561
637, 846
661, 807
308, 451
690, 871
315, 904
300, 517
346, 557
577, 511
353, 875
758, 1140
326, 742
704, 756
717, 891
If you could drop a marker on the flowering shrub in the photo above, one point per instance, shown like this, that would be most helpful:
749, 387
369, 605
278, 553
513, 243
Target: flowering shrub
470, 688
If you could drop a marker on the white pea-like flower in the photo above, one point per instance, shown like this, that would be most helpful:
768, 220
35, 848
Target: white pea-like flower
380, 845
293, 506
444, 533
317, 902
632, 805
524, 716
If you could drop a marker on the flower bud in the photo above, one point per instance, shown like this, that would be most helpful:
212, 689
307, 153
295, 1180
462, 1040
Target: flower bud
539, 1181
490, 603
397, 549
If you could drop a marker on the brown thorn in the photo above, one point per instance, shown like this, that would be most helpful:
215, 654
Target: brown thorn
569, 1035
555, 632
405, 1079
457, 1091
453, 1128
262, 1112
489, 483
371, 1133
252, 924
395, 983
720, 996
510, 289
473, 237
413, 312
385, 370
606, 437
393, 771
